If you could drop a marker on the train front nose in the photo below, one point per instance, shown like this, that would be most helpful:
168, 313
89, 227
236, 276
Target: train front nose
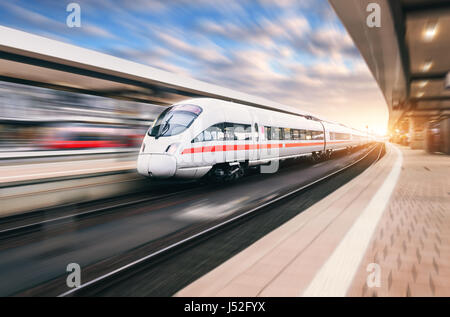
156, 165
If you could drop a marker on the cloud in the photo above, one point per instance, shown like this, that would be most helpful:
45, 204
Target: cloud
293, 52
207, 53
31, 18
332, 42
96, 31
32, 21
260, 31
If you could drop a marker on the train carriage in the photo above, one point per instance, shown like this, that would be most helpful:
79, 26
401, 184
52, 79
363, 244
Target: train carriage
205, 136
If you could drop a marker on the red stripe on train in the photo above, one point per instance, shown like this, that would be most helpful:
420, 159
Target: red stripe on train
244, 147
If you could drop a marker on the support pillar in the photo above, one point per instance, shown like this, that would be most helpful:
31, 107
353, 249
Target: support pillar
445, 135
417, 132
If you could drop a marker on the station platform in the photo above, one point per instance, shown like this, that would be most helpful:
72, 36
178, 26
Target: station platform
385, 233
33, 152
30, 185
42, 171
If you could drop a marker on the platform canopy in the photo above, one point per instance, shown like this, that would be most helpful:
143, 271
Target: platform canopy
408, 54
34, 60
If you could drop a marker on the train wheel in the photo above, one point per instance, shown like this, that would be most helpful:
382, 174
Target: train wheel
241, 172
235, 172
324, 155
226, 173
315, 157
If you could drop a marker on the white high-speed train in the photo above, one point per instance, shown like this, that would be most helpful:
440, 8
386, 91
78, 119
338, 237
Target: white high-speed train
221, 139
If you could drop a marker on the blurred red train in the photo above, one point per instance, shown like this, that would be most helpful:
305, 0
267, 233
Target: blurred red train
83, 136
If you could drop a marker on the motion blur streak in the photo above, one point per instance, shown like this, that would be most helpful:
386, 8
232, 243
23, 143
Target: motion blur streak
34, 118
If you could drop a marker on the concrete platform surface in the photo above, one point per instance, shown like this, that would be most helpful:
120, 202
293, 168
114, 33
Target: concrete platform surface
411, 244
395, 215
37, 171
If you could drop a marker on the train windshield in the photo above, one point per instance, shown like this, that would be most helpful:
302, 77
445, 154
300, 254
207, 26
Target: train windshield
174, 120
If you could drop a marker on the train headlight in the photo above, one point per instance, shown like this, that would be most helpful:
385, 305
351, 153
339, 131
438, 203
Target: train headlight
172, 149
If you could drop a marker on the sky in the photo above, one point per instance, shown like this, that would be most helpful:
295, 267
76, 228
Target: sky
295, 52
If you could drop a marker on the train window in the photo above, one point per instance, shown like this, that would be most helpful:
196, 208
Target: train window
217, 132
174, 120
276, 133
295, 134
213, 133
341, 136
177, 123
268, 133
207, 136
308, 135
238, 132
229, 131
317, 135
157, 123
248, 132
242, 132
287, 134
198, 138
303, 134
256, 133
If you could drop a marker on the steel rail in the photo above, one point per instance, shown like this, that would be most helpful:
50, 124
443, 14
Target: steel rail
214, 228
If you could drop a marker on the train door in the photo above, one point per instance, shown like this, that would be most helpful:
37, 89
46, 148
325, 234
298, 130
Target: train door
219, 154
324, 137
238, 134
266, 141
254, 148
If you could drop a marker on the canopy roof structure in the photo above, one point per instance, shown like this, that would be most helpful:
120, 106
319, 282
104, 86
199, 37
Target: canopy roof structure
407, 54
34, 60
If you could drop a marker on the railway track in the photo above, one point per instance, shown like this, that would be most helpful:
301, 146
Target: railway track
105, 280
35, 220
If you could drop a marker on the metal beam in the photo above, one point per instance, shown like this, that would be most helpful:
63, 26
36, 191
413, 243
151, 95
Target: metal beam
425, 112
108, 94
400, 30
93, 74
428, 76
432, 109
430, 98
427, 7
